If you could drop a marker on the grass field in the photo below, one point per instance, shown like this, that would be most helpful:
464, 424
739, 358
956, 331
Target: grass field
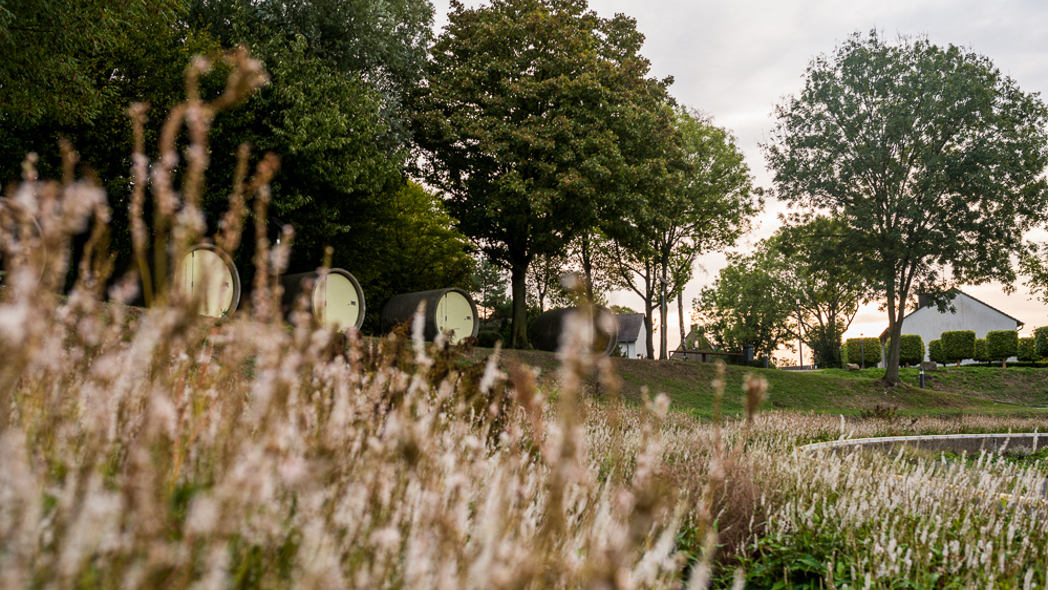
949, 390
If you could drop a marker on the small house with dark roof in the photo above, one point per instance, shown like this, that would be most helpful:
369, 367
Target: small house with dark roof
633, 337
971, 314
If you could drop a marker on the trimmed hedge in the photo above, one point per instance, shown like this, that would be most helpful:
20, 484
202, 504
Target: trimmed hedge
957, 345
1001, 344
911, 349
855, 347
1028, 350
1040, 337
980, 351
935, 352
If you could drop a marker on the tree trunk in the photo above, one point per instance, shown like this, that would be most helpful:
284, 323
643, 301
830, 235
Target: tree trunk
680, 312
519, 331
649, 319
587, 268
663, 340
891, 361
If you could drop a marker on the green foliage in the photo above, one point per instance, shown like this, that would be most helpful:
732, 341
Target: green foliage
828, 279
337, 183
1028, 350
920, 184
708, 209
1040, 336
935, 353
1001, 344
488, 338
50, 53
489, 289
911, 349
957, 345
858, 347
129, 54
383, 43
980, 353
747, 304
540, 124
802, 559
412, 246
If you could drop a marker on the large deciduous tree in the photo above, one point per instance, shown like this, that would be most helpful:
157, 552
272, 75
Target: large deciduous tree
930, 156
539, 123
828, 282
748, 303
708, 209
49, 53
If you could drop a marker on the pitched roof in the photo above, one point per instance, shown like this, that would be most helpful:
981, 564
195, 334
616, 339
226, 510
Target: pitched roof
630, 325
1018, 323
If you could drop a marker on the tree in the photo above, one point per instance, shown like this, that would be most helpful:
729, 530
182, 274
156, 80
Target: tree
828, 281
708, 209
382, 43
544, 281
747, 304
957, 345
932, 158
49, 51
342, 170
538, 122
1001, 344
414, 247
96, 59
489, 288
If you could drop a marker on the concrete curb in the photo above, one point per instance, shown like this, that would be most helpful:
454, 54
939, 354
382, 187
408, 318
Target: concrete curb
971, 443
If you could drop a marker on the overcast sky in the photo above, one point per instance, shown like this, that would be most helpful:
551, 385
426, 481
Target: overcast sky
736, 60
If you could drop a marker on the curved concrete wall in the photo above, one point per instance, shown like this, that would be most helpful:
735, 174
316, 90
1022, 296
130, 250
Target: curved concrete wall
957, 443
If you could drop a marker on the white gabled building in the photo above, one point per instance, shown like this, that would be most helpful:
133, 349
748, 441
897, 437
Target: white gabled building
633, 338
971, 314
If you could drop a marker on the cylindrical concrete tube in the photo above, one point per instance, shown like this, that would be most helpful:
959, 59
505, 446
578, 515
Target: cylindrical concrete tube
336, 301
546, 330
448, 311
207, 273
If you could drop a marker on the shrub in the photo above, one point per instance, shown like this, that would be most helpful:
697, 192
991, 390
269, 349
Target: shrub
488, 338
1040, 337
1028, 350
911, 349
957, 345
980, 351
856, 347
935, 352
1001, 344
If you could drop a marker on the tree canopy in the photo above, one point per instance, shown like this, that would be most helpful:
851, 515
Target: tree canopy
827, 281
931, 157
333, 113
538, 121
708, 208
748, 303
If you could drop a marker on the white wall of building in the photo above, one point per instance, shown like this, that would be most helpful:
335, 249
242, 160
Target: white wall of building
929, 323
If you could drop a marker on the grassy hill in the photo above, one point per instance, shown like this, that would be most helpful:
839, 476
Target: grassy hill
993, 390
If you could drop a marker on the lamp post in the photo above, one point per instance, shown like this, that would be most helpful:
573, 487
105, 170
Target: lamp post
862, 348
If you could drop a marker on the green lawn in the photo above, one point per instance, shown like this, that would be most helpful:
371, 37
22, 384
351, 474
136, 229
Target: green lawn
951, 390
